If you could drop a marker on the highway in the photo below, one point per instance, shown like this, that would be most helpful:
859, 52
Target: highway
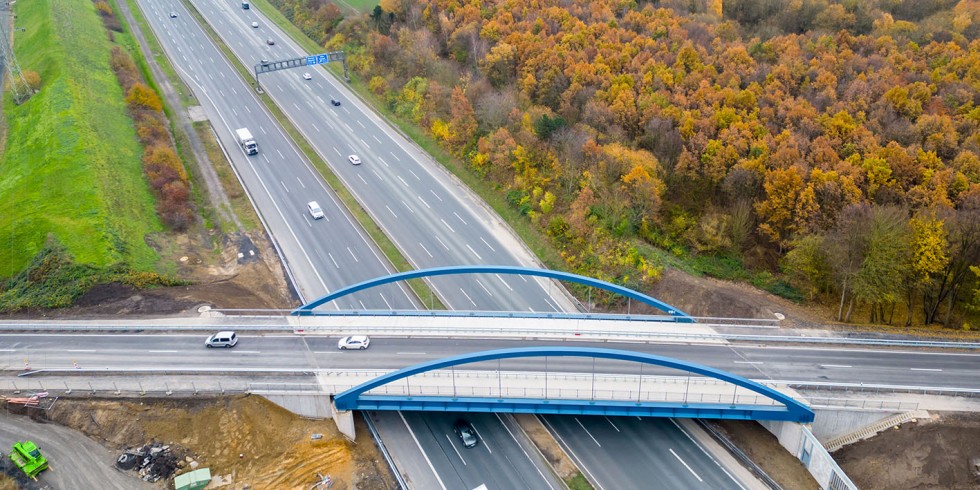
322, 255
660, 444
433, 219
784, 363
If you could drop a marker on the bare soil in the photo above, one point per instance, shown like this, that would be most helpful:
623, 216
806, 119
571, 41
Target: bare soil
246, 440
932, 453
764, 450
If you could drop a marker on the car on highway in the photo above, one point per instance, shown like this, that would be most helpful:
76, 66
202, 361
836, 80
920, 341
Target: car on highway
255, 24
354, 159
314, 209
270, 41
466, 433
173, 15
359, 342
222, 339
307, 76
334, 101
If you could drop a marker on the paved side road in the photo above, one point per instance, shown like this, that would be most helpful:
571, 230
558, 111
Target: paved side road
77, 461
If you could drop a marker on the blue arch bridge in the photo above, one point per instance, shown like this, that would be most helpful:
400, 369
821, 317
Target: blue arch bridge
766, 403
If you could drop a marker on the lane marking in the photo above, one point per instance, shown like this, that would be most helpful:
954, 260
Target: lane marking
474, 251
706, 453
460, 217
488, 245
454, 449
411, 353
434, 194
415, 175
396, 156
934, 370
352, 254
467, 296
512, 436
403, 181
587, 432
835, 366
390, 211
441, 243
447, 226
685, 465
481, 438
80, 350
426, 250
423, 202
568, 448
163, 351
611, 423
747, 362
426, 456
301, 182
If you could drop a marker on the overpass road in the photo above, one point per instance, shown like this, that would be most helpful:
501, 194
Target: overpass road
785, 363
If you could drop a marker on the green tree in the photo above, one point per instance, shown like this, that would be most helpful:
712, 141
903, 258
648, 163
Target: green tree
927, 258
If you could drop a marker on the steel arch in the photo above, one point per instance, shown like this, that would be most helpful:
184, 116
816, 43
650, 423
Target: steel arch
680, 316
794, 410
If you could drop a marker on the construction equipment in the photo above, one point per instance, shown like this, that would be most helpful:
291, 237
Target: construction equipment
28, 458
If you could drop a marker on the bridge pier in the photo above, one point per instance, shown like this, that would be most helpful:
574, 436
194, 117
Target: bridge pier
344, 420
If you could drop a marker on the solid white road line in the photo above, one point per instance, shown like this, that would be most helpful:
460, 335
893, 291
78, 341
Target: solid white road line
426, 456
686, 466
454, 449
522, 450
587, 432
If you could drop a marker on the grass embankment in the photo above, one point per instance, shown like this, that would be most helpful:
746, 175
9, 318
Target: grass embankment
71, 168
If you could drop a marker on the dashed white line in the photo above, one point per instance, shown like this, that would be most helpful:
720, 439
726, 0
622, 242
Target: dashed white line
587, 431
163, 351
403, 181
280, 154
454, 449
467, 296
459, 217
266, 157
474, 251
376, 174
441, 243
352, 254
835, 366
348, 127
686, 466
396, 156
426, 250
316, 128
611, 423
262, 128
248, 110
333, 260
484, 288
447, 225
321, 100
504, 282
927, 369
359, 176
234, 91
301, 184
414, 175
375, 137
407, 207
747, 362
382, 160
390, 211
364, 142
80, 350
423, 202
284, 186
434, 194
487, 244
362, 125
339, 154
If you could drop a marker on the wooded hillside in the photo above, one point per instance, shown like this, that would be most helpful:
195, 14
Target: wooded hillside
833, 144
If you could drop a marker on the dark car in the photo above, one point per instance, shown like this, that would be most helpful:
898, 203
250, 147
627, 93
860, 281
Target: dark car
334, 101
466, 433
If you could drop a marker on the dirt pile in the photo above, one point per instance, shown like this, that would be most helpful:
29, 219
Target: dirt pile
932, 453
246, 440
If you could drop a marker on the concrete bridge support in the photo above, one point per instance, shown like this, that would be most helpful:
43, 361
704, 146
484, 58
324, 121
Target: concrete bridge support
344, 420
800, 442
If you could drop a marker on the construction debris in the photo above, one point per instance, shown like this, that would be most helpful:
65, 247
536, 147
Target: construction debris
153, 461
39, 400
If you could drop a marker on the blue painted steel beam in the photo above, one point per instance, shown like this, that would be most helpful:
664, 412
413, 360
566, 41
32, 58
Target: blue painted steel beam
348, 400
678, 315
615, 408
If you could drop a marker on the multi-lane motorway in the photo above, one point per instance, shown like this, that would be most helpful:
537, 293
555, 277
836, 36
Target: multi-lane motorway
430, 217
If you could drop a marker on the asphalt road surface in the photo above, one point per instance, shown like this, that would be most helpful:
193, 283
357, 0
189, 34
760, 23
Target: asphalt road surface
786, 363
657, 449
321, 255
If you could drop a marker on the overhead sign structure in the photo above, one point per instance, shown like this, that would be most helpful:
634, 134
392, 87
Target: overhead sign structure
315, 59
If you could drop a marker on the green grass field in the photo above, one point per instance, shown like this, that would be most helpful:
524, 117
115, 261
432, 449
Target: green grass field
71, 165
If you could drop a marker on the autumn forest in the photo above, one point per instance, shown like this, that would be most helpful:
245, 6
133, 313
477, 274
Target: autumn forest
828, 151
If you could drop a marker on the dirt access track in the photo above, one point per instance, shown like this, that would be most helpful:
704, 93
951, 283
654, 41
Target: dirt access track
247, 441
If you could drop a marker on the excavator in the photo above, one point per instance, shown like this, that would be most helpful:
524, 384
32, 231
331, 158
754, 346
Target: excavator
28, 458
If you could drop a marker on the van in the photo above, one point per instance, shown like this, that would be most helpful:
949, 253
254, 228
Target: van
222, 339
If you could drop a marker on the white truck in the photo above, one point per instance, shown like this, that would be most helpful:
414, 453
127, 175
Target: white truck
246, 141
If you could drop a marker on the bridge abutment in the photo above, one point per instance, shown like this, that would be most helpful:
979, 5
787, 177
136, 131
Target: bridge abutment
344, 420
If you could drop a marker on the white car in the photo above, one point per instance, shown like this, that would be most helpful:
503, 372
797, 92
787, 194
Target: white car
359, 342
255, 24
354, 159
307, 76
226, 339
315, 210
